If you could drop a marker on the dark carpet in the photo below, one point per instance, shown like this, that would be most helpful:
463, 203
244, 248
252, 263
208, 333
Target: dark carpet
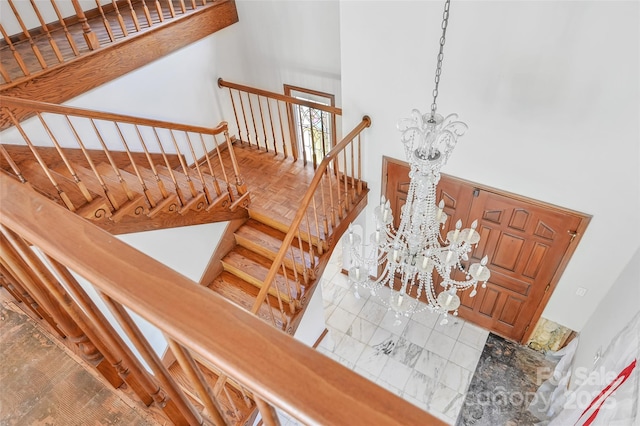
504, 384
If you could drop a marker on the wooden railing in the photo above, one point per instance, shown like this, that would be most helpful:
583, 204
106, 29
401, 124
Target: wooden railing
268, 120
44, 248
336, 190
135, 155
38, 36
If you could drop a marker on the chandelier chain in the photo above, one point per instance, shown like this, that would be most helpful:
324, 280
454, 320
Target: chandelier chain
445, 22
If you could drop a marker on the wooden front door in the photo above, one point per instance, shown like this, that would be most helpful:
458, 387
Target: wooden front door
528, 244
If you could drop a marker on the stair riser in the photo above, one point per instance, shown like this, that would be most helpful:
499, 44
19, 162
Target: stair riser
263, 251
253, 280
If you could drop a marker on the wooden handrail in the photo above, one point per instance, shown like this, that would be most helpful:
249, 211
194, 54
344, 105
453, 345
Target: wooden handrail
9, 102
338, 396
279, 97
304, 204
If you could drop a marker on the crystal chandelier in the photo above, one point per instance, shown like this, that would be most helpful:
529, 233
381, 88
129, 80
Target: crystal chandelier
415, 261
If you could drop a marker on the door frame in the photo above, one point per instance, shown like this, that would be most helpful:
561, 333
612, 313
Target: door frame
582, 226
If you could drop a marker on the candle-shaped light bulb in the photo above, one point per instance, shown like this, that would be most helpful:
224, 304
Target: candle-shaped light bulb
396, 253
484, 260
382, 200
440, 210
425, 262
483, 264
456, 234
400, 300
474, 224
350, 234
449, 299
358, 273
449, 256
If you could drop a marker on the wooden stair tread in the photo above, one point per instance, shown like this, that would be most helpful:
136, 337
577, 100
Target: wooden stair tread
210, 183
267, 241
244, 294
34, 174
254, 268
91, 181
228, 407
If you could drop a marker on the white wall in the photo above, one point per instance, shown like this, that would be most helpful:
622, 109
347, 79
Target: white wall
550, 93
613, 313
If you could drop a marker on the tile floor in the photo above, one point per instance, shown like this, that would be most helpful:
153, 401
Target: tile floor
427, 364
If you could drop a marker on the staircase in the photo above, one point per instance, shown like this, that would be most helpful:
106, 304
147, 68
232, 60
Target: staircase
275, 253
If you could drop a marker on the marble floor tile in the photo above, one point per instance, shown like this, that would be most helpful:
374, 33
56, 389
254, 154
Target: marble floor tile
452, 328
416, 333
420, 388
447, 402
440, 344
372, 361
465, 356
340, 319
373, 312
393, 323
456, 377
352, 303
474, 336
349, 349
330, 340
426, 318
383, 340
395, 373
430, 364
361, 329
406, 353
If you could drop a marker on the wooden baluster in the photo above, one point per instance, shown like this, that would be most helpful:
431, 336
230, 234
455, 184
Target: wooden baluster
273, 132
336, 173
26, 33
359, 166
353, 173
235, 114
194, 374
268, 413
284, 143
123, 26
241, 187
63, 196
16, 54
33, 275
319, 244
67, 34
115, 168
305, 273
79, 183
159, 182
177, 188
185, 169
159, 10
270, 310
12, 164
216, 186
244, 117
23, 296
345, 177
264, 129
224, 170
293, 144
310, 235
147, 15
172, 11
327, 175
143, 185
322, 130
304, 148
43, 25
185, 407
127, 364
292, 306
134, 16
253, 120
205, 188
94, 331
193, 4
312, 138
5, 75
183, 8
89, 36
105, 21
325, 221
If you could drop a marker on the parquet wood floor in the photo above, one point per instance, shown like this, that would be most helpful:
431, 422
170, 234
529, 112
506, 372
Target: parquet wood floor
278, 185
